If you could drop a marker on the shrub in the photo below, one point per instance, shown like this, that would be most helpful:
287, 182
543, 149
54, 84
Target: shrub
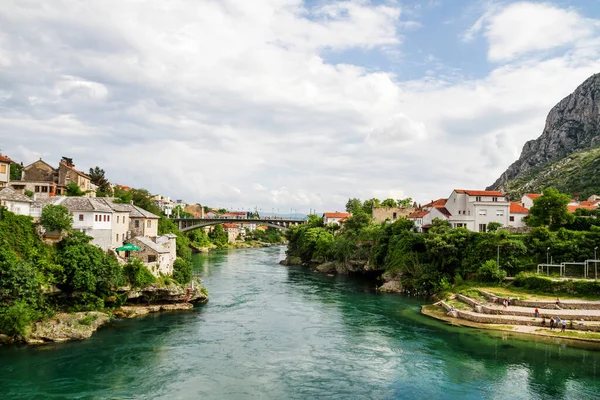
137, 274
56, 218
88, 319
489, 272
182, 271
16, 319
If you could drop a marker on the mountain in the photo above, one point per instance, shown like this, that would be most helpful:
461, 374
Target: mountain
567, 154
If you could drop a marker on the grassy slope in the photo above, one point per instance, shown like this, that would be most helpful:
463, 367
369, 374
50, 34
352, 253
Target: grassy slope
576, 173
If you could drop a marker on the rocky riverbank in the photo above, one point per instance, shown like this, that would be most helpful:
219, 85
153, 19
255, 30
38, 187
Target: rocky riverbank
391, 281
236, 245
64, 327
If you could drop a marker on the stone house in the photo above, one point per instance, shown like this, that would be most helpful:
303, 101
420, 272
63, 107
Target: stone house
68, 174
233, 231
4, 170
16, 202
142, 222
391, 214
38, 177
158, 255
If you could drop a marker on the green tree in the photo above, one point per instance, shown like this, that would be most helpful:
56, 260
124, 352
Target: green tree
314, 221
407, 202
56, 218
550, 210
354, 205
493, 226
98, 178
218, 236
137, 274
182, 271
29, 193
369, 204
15, 171
74, 190
388, 203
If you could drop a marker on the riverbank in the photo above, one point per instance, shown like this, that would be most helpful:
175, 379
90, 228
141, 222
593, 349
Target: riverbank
69, 326
237, 245
577, 319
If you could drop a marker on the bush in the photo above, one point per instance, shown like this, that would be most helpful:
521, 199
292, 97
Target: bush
88, 319
489, 272
16, 319
182, 271
56, 218
137, 274
544, 284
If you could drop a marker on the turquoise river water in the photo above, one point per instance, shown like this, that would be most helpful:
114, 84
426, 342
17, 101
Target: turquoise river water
275, 332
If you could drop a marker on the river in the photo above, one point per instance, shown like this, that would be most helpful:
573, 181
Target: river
275, 332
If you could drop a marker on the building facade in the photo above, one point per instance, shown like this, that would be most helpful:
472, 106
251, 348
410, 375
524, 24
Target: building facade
335, 217
391, 214
475, 209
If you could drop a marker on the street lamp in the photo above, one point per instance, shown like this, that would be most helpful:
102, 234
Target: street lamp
548, 255
595, 248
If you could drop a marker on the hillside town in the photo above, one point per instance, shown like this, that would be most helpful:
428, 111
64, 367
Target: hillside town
113, 224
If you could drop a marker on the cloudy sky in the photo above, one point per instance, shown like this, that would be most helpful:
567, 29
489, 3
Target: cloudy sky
288, 103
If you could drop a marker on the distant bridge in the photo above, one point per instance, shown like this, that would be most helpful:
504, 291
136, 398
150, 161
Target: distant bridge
189, 224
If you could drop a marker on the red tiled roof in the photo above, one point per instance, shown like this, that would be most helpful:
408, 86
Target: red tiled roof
5, 159
337, 214
589, 203
480, 192
573, 208
418, 214
74, 170
437, 203
532, 196
229, 226
516, 208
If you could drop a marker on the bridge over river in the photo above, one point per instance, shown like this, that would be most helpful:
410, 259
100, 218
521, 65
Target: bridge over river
189, 224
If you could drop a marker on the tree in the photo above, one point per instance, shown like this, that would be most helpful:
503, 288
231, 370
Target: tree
74, 190
353, 206
29, 193
388, 203
407, 202
182, 271
56, 218
551, 210
15, 172
98, 178
369, 204
219, 236
493, 226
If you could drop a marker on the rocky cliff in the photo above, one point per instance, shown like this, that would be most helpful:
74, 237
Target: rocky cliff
572, 129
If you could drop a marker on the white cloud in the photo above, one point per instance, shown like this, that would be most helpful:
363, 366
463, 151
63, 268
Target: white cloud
526, 27
232, 103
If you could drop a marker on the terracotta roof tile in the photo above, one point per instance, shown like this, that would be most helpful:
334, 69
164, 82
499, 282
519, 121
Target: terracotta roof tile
5, 159
436, 203
444, 211
573, 208
337, 214
532, 196
418, 214
516, 208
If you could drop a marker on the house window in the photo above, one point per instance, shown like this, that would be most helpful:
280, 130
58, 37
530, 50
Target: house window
500, 213
37, 189
80, 217
478, 198
494, 199
44, 189
96, 218
149, 224
108, 218
136, 223
2, 168
482, 211
394, 216
482, 227
151, 258
511, 218
117, 237
117, 219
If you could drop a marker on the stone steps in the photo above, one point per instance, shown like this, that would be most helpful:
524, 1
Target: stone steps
546, 304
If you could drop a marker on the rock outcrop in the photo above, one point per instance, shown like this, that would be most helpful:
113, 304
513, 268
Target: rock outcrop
63, 327
156, 294
572, 126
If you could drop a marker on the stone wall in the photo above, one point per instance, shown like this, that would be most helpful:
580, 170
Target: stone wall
381, 214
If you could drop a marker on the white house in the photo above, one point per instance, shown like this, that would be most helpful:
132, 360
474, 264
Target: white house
528, 198
517, 213
423, 218
335, 217
475, 209
15, 202
92, 216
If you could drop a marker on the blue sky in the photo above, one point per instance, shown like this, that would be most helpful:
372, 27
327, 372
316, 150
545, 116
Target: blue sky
289, 103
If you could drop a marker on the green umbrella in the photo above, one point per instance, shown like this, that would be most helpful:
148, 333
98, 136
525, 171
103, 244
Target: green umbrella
128, 247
